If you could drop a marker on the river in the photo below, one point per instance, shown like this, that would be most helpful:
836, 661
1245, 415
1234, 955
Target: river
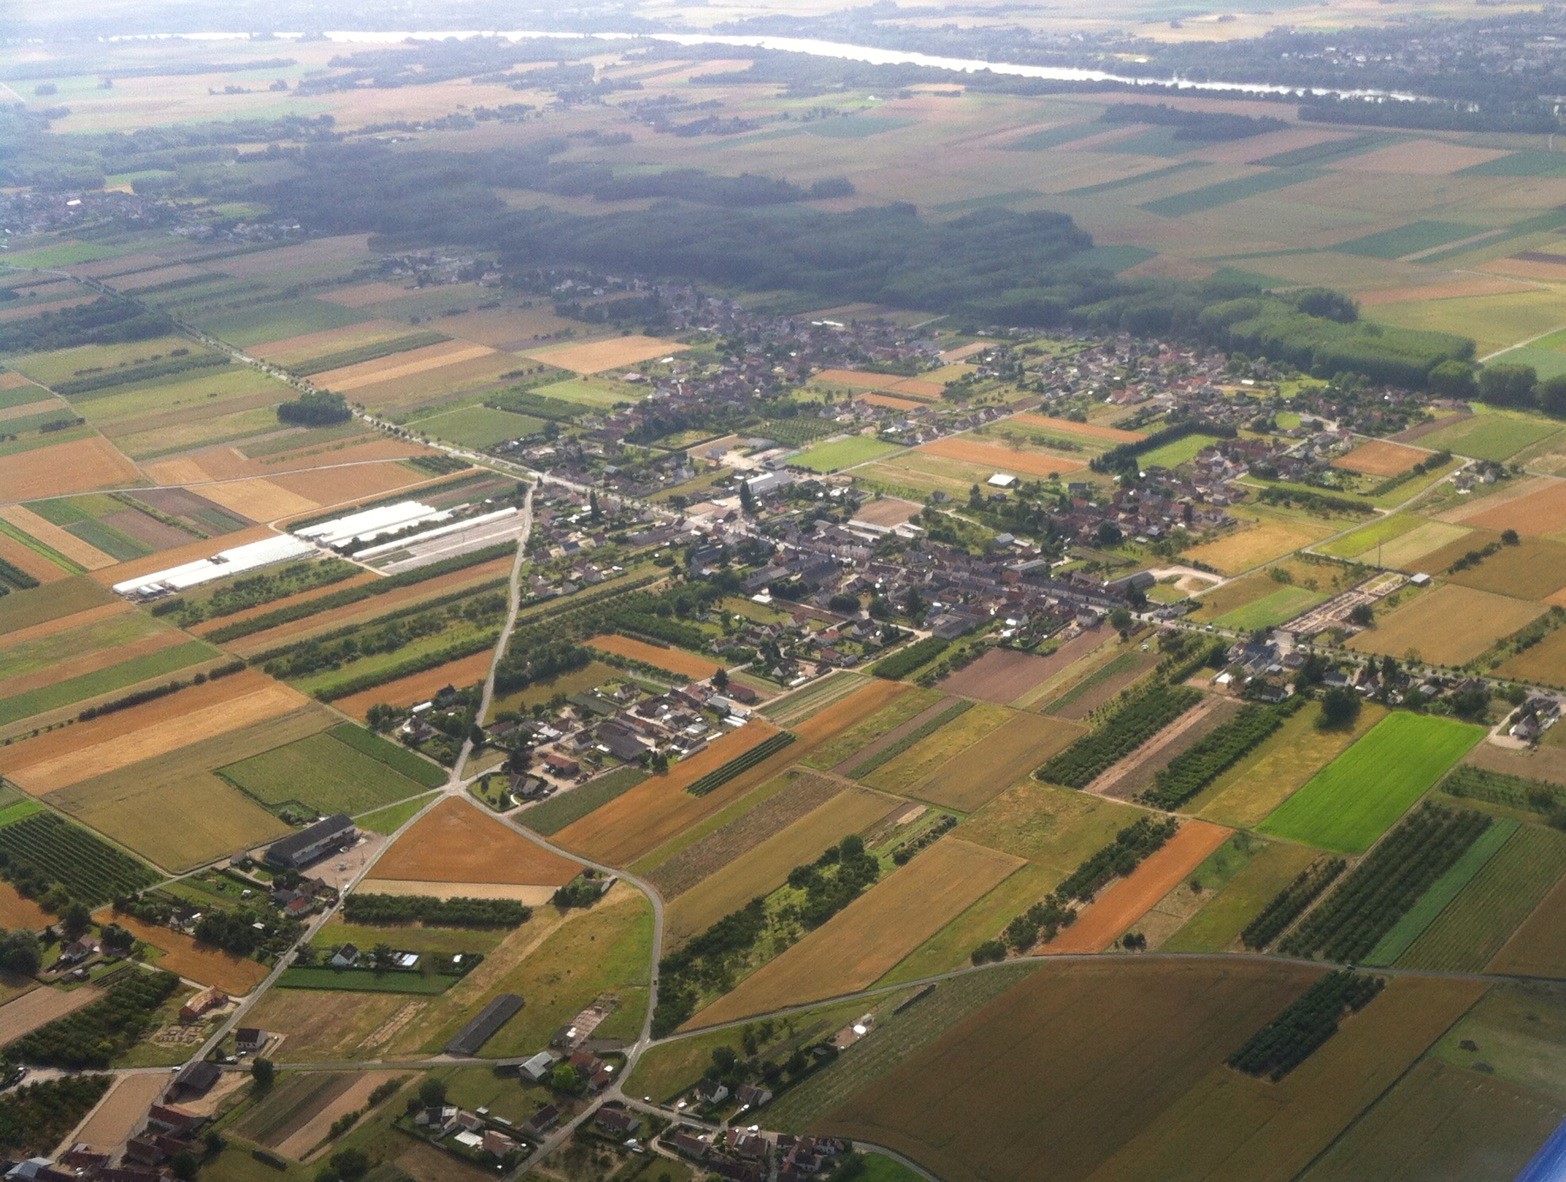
815, 48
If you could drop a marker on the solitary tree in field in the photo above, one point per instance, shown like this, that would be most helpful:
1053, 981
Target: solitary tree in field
263, 1071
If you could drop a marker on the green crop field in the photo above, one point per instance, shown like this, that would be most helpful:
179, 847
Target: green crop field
843, 453
1271, 610
103, 681
323, 773
365, 981
1470, 931
1172, 455
480, 426
1357, 797
597, 393
273, 322
1492, 435
1441, 893
1222, 193
1367, 538
1409, 239
555, 814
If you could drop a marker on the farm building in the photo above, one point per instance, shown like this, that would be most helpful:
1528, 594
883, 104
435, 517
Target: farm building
491, 1018
208, 999
222, 565
1002, 480
300, 849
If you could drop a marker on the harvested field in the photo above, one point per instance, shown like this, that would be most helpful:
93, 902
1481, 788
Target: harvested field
1137, 771
121, 1112
418, 687
888, 512
803, 793
1448, 626
455, 842
258, 499
1277, 1129
1004, 675
1093, 431
1096, 1052
18, 913
26, 559
765, 867
54, 760
362, 295
1002, 459
318, 252
235, 975
872, 752
400, 365
859, 944
329, 340
673, 659
1124, 901
79, 466
1252, 545
1407, 551
1535, 568
86, 556
338, 486
1381, 458
507, 328
891, 401
533, 896
1417, 157
975, 776
1542, 511
39, 1007
614, 353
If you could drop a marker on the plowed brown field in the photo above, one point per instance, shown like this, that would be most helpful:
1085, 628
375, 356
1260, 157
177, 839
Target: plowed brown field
1126, 900
1001, 459
454, 842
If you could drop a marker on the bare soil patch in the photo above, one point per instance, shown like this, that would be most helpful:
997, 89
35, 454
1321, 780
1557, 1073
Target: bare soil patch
110, 1125
888, 512
454, 842
1380, 458
1001, 459
1126, 900
673, 659
614, 353
235, 975
1137, 771
1086, 430
1004, 675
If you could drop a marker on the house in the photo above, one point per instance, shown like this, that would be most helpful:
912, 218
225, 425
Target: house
310, 843
560, 765
752, 1095
250, 1040
713, 1092
544, 1119
497, 1143
743, 1143
79, 950
687, 1143
538, 1067
617, 1122
345, 957
208, 999
592, 1069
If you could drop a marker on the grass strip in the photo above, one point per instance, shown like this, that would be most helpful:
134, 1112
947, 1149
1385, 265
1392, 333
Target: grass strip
1441, 893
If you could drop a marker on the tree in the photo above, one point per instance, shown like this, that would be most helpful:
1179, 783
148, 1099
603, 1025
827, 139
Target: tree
1362, 615
1551, 394
1108, 534
1509, 537
1339, 708
595, 512
118, 939
75, 921
185, 1165
1120, 619
747, 499
564, 1079
1453, 379
720, 679
20, 953
350, 1164
382, 717
264, 1072
1506, 384
432, 1092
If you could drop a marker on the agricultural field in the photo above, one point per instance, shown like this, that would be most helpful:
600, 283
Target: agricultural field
343, 770
843, 453
1450, 626
1110, 1073
456, 842
858, 945
1362, 793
